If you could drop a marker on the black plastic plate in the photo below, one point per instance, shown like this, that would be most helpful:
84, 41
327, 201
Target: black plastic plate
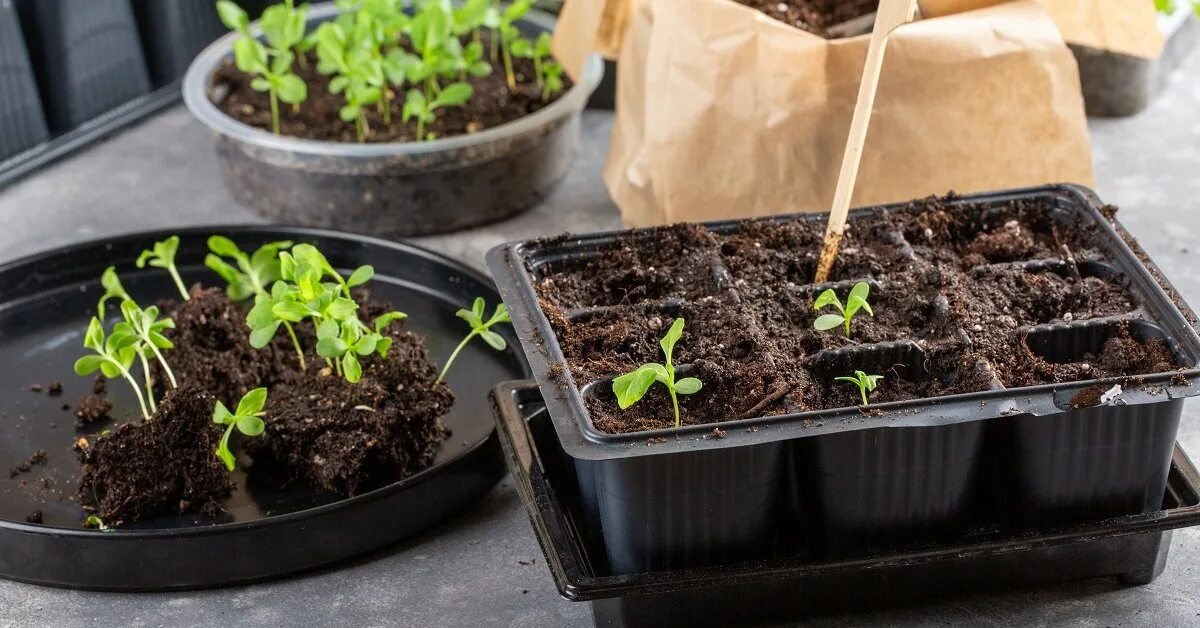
45, 303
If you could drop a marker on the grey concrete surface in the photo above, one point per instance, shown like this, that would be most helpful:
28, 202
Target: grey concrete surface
470, 573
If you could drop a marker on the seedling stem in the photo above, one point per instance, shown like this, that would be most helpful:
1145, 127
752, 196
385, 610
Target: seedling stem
481, 328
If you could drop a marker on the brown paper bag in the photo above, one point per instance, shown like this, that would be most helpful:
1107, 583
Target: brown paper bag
724, 112
1123, 26
585, 27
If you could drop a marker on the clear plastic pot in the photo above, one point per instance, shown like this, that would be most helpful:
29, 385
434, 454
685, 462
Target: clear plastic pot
394, 189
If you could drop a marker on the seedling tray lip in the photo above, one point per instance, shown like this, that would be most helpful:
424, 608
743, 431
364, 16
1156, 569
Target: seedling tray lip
567, 562
196, 87
473, 464
581, 440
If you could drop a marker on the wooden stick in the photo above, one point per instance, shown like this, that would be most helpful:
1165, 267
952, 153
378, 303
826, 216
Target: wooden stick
890, 16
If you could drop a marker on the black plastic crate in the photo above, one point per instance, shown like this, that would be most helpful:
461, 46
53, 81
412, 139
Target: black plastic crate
814, 482
87, 56
1133, 549
21, 122
174, 32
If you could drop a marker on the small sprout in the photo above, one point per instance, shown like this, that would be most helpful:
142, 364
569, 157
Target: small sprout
271, 66
163, 256
114, 357
247, 420
1168, 7
546, 70
866, 383
481, 328
253, 274
855, 302
631, 387
112, 289
511, 42
96, 522
148, 327
416, 105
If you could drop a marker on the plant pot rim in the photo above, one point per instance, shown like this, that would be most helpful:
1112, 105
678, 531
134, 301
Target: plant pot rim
581, 440
196, 87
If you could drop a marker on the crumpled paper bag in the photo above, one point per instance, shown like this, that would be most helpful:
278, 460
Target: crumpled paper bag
1123, 26
723, 112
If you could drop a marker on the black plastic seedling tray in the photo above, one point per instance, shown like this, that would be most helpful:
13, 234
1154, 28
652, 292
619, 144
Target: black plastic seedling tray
840, 482
45, 303
21, 121
87, 55
1132, 549
173, 33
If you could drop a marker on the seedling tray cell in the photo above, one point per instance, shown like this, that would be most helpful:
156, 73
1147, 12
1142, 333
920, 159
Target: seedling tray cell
1132, 548
266, 531
927, 465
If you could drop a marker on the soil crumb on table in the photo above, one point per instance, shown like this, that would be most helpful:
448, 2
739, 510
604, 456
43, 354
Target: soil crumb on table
39, 457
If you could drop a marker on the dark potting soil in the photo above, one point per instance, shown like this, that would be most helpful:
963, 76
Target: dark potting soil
954, 294
814, 16
350, 438
317, 118
164, 465
336, 436
92, 408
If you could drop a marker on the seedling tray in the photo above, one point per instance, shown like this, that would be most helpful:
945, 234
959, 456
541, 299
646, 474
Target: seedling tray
812, 482
87, 55
266, 532
21, 121
1131, 548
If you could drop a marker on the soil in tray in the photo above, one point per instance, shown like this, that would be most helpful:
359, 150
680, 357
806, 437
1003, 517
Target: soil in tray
335, 436
814, 16
963, 291
317, 118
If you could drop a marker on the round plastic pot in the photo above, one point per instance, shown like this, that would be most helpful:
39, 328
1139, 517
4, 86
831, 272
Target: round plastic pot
394, 189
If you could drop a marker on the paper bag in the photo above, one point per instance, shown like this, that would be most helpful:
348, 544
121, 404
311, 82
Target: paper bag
723, 112
587, 27
1123, 26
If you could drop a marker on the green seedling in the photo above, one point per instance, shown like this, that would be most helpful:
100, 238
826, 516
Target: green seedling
264, 322
163, 256
416, 105
283, 25
247, 420
146, 328
357, 69
96, 522
344, 340
510, 36
631, 387
270, 67
549, 72
112, 289
253, 274
303, 294
855, 302
114, 357
481, 328
866, 383
149, 328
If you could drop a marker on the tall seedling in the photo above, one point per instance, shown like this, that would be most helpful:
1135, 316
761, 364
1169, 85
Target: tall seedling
270, 67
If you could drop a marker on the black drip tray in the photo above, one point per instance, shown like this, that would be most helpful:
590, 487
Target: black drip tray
1132, 548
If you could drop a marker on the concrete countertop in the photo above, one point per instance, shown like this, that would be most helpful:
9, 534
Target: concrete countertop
484, 567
